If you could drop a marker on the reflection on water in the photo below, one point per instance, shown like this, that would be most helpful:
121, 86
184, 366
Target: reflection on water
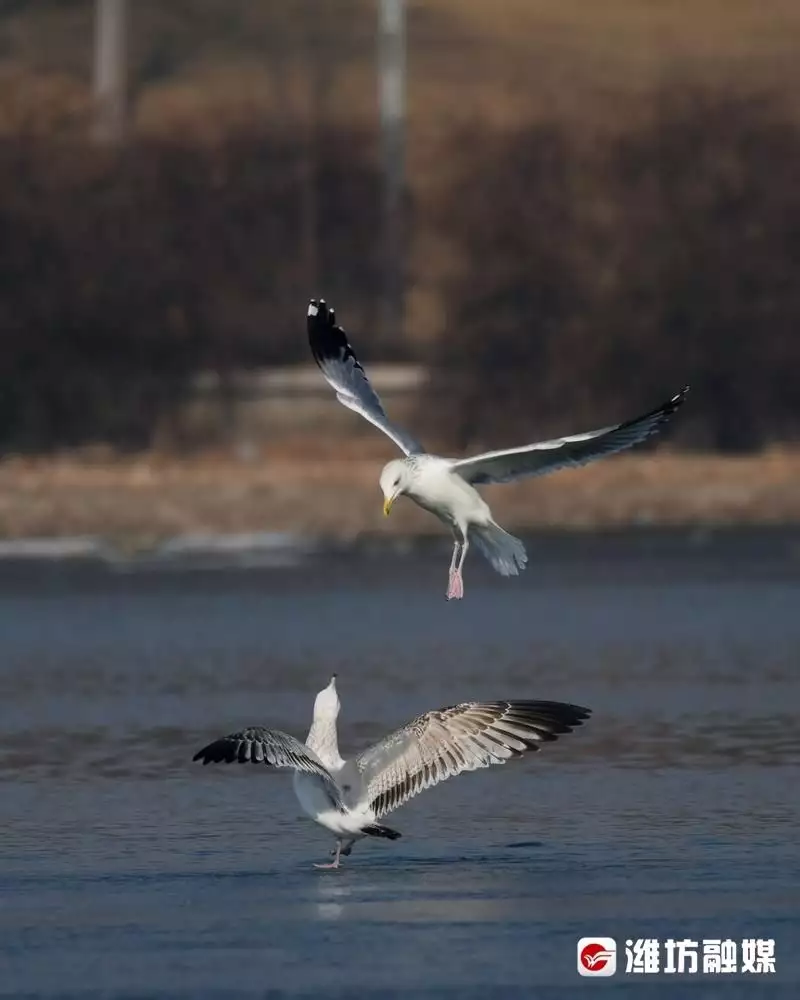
672, 812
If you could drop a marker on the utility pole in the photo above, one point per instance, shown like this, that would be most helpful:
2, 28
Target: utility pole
391, 90
318, 80
109, 69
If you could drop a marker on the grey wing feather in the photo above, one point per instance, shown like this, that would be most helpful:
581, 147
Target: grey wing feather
340, 366
443, 743
567, 452
256, 745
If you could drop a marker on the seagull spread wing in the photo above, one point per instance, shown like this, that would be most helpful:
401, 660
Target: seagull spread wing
272, 747
340, 366
547, 456
446, 742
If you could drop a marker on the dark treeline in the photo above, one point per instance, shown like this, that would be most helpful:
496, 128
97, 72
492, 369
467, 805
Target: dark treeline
595, 274
123, 274
600, 277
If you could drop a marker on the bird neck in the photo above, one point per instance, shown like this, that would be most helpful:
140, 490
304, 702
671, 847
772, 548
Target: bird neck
324, 741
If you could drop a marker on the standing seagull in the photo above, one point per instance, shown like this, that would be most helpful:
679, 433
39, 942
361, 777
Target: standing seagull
446, 486
349, 797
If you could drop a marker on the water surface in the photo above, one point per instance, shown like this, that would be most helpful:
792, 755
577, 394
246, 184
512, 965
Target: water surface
127, 870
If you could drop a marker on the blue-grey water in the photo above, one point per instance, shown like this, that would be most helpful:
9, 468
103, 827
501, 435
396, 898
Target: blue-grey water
127, 870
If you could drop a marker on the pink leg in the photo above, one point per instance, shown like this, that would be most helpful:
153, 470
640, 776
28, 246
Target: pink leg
455, 589
335, 862
346, 849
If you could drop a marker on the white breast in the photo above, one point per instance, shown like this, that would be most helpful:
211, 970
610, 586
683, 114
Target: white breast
447, 495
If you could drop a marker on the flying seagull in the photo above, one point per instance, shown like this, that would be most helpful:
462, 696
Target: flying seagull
446, 486
349, 797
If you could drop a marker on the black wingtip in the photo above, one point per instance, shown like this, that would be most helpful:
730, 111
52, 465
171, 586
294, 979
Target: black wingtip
322, 331
579, 714
666, 410
678, 398
319, 315
659, 416
549, 720
561, 714
203, 755
328, 341
220, 751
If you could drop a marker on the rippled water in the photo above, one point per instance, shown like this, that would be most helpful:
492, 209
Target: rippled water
127, 870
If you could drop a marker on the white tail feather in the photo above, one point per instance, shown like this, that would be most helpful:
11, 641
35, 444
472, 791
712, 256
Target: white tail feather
505, 552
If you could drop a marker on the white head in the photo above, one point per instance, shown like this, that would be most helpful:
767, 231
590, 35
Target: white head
394, 480
326, 704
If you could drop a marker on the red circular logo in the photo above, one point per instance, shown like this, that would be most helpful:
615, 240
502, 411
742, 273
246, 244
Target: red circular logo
594, 957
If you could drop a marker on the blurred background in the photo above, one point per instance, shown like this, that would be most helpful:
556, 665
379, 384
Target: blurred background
533, 217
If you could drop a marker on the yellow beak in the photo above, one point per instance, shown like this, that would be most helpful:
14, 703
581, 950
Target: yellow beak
387, 506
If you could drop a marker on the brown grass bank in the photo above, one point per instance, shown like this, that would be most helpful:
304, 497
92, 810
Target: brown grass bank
137, 501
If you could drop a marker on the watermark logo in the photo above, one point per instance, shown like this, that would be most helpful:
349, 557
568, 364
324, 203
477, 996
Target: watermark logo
597, 956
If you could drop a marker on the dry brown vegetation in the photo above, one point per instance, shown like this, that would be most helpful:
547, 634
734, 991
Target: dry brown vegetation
499, 61
598, 279
603, 206
138, 501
